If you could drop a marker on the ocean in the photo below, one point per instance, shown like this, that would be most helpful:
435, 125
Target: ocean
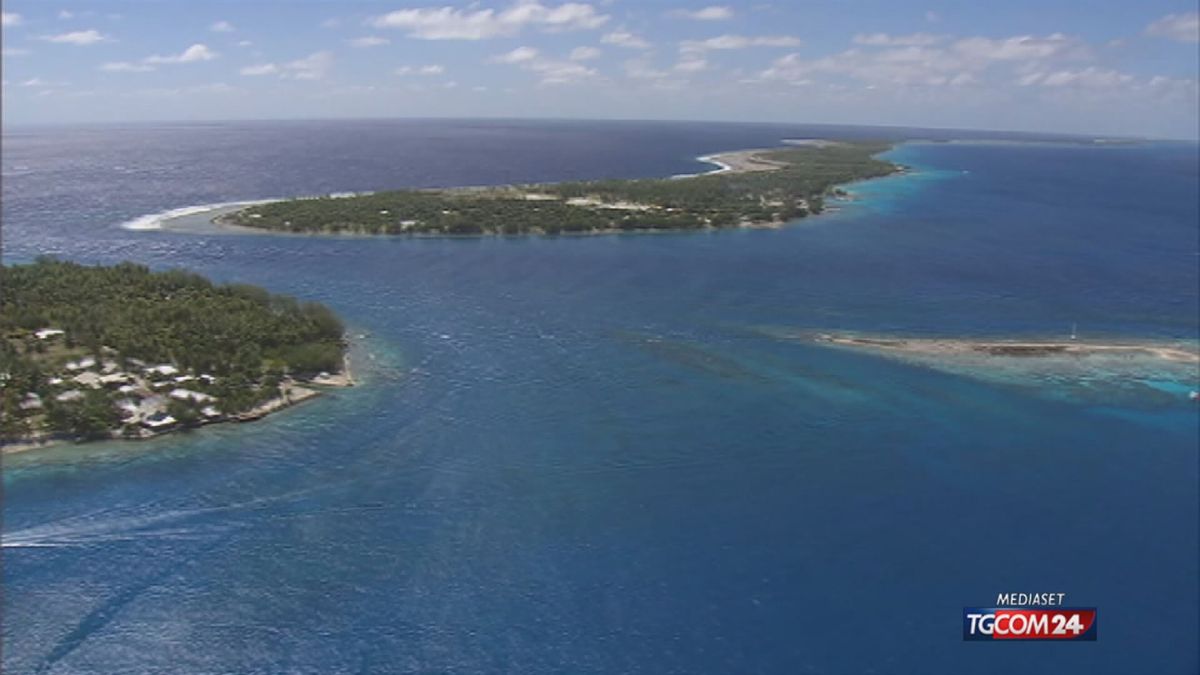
614, 453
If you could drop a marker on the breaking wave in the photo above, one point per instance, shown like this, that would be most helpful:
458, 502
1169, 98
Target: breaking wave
159, 220
156, 221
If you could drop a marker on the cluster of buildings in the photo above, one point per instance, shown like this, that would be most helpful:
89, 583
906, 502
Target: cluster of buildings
140, 392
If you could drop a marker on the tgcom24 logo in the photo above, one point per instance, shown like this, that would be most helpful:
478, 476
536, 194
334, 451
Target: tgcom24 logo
1029, 616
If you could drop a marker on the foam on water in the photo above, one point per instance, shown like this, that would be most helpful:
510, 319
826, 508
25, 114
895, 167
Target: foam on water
162, 220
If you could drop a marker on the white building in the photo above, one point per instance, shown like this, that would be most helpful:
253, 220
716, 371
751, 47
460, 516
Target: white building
115, 378
82, 364
189, 395
129, 409
88, 379
47, 333
159, 421
165, 369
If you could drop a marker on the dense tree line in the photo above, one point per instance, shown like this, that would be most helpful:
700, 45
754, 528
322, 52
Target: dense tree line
172, 316
711, 201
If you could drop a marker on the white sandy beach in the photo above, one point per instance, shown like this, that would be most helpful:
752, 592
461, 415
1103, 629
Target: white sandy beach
737, 161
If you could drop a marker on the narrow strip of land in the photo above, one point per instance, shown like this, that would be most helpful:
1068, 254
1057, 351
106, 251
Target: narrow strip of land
754, 188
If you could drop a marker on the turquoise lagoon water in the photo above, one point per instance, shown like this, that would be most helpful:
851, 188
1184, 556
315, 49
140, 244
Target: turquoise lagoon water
601, 454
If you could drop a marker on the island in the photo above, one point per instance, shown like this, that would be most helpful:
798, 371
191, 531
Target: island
121, 351
752, 188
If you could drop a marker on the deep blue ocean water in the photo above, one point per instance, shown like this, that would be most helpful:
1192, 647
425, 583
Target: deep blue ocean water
603, 454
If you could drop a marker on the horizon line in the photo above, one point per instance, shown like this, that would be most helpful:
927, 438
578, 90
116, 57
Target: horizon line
5, 125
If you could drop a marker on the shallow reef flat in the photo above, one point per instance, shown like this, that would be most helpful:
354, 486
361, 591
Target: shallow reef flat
1016, 348
1139, 373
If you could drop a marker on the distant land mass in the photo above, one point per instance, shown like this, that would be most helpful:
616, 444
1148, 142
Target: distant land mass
753, 188
123, 352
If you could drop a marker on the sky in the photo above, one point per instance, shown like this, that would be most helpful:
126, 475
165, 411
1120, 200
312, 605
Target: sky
1094, 67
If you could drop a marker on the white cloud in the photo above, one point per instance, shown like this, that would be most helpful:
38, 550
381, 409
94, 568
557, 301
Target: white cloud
713, 13
193, 54
560, 72
1091, 78
450, 23
963, 62
625, 39
222, 27
14, 51
932, 17
260, 69
897, 67
1169, 88
433, 69
79, 37
640, 69
585, 53
885, 40
691, 64
369, 41
315, 66
550, 71
125, 67
175, 92
738, 42
518, 55
1180, 27
10, 19
245, 43
68, 14
37, 82
1021, 48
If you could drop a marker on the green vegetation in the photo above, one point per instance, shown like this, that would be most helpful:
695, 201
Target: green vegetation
795, 190
86, 351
